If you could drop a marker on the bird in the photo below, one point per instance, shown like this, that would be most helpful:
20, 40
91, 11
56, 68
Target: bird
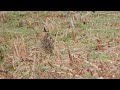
47, 42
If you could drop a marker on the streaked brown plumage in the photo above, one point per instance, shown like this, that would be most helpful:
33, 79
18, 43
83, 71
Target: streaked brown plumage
47, 42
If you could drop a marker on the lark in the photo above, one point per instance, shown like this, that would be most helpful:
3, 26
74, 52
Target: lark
47, 42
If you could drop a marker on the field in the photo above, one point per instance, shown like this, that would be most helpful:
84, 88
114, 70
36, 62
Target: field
86, 45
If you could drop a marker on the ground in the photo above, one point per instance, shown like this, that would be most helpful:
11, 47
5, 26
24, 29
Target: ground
86, 45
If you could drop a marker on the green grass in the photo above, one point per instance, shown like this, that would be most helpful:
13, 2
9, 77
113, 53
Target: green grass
99, 25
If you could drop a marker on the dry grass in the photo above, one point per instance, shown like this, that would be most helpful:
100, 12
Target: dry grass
86, 45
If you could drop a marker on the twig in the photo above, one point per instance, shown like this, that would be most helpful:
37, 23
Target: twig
92, 64
71, 74
88, 12
50, 64
33, 67
16, 50
63, 67
72, 23
70, 57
